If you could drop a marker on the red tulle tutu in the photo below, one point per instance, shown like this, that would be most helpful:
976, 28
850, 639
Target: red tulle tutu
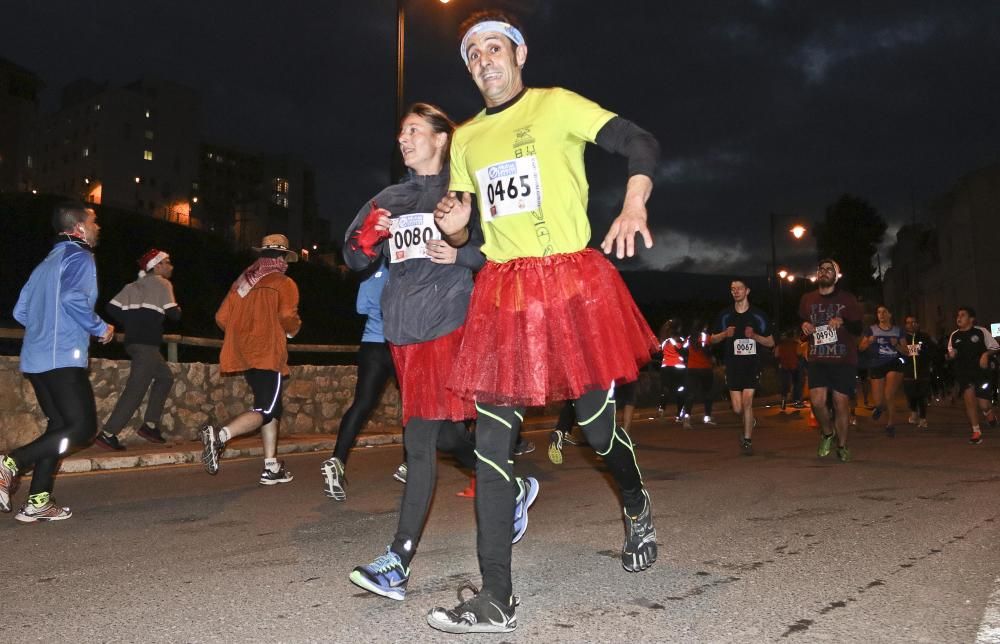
422, 370
543, 329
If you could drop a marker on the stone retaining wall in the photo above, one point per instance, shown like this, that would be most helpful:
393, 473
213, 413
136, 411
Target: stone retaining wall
315, 398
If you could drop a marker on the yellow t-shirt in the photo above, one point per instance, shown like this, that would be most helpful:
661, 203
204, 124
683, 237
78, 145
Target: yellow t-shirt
525, 164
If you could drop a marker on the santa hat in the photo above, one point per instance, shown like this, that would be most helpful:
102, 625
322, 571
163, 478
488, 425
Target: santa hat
151, 258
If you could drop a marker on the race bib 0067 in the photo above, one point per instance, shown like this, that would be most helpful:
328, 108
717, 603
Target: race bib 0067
510, 187
745, 347
409, 234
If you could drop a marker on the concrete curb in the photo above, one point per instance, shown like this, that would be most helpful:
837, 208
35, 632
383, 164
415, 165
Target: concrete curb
187, 455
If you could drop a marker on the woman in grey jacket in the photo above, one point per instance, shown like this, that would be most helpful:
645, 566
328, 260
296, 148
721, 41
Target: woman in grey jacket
423, 312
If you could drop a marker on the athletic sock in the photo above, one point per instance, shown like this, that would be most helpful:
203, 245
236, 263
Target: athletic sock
404, 550
272, 464
224, 434
39, 499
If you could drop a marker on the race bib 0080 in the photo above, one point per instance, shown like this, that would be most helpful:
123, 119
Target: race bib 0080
825, 335
510, 187
745, 347
409, 234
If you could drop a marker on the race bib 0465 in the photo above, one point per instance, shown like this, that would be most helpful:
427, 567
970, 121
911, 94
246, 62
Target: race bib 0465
510, 187
825, 335
409, 234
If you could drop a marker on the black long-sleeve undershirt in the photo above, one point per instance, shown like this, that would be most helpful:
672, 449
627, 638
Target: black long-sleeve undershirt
621, 136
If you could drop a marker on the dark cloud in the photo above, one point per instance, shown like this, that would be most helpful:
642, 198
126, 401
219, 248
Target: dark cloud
760, 106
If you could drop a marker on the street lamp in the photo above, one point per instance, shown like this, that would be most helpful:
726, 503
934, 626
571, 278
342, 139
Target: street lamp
798, 231
396, 166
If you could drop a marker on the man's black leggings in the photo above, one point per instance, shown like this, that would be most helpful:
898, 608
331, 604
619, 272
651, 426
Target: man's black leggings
422, 439
67, 399
496, 430
916, 395
374, 370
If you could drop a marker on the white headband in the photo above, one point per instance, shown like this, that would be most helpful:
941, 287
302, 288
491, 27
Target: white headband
505, 28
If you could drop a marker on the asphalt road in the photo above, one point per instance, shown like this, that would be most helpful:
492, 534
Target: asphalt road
899, 545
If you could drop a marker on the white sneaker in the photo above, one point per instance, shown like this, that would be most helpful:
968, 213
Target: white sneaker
334, 479
913, 418
708, 420
400, 473
48, 512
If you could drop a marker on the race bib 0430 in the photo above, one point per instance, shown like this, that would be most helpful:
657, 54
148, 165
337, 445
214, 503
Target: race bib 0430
510, 187
409, 234
745, 347
825, 335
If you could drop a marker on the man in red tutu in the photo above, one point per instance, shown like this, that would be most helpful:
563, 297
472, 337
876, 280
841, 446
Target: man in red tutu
550, 319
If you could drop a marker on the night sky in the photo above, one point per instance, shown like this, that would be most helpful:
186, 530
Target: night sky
759, 106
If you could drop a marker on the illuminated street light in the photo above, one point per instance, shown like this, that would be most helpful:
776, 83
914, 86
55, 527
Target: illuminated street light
812, 278
790, 278
782, 273
798, 231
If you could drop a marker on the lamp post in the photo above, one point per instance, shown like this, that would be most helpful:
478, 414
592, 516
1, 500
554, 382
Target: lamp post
798, 231
396, 165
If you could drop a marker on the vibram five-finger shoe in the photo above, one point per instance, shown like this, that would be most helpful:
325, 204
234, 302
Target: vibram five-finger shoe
639, 551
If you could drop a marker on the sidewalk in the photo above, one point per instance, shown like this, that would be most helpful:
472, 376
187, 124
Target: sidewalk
180, 453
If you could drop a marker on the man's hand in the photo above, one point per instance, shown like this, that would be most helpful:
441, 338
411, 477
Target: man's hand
984, 361
441, 252
748, 332
836, 323
109, 335
632, 220
452, 214
808, 328
621, 235
729, 332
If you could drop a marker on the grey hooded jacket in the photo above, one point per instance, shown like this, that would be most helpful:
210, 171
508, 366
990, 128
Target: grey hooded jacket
423, 300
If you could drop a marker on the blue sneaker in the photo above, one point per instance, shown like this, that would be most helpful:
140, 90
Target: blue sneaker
385, 576
527, 492
876, 413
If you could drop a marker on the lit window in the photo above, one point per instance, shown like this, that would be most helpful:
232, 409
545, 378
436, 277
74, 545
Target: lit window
194, 186
281, 185
138, 179
281, 200
86, 152
210, 155
149, 135
147, 113
147, 155
97, 107
31, 162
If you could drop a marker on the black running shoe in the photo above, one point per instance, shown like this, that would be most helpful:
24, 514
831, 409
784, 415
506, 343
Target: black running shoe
639, 551
108, 441
481, 613
890, 431
151, 433
746, 447
267, 477
523, 447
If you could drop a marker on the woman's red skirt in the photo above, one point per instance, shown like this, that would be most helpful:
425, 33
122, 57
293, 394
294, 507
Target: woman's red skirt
543, 329
422, 370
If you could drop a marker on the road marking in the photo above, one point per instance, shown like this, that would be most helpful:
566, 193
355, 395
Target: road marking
989, 628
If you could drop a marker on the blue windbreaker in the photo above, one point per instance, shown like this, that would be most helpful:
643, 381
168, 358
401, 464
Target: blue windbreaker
56, 307
370, 303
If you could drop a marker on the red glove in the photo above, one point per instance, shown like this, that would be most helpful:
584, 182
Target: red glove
367, 237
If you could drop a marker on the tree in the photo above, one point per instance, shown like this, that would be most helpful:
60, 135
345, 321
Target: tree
850, 233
